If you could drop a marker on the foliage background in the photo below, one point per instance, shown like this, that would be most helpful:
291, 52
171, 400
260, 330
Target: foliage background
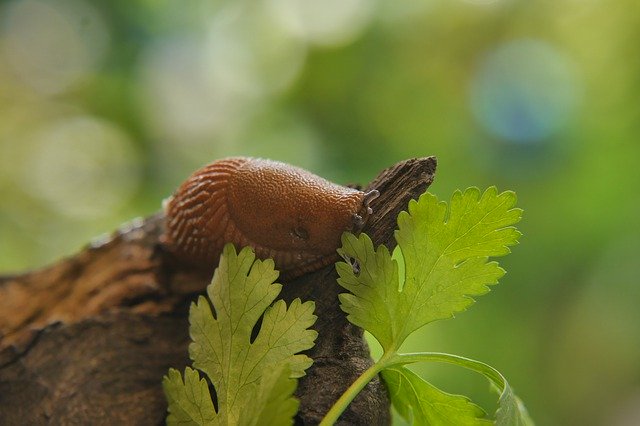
105, 107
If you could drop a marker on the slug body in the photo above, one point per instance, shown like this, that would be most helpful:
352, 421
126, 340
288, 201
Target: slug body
282, 211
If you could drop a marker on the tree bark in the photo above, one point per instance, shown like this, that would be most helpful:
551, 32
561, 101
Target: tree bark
88, 339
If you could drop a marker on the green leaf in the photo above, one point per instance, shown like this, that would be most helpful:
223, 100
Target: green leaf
374, 300
445, 253
189, 401
252, 380
276, 405
442, 259
421, 403
511, 411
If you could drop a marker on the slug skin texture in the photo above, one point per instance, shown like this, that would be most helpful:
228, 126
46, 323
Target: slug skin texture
283, 212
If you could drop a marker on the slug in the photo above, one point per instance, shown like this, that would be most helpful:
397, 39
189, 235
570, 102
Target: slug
283, 212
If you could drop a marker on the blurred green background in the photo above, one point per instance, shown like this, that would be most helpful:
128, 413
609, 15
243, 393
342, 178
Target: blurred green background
105, 107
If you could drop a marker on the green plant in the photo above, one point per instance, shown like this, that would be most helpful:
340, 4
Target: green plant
254, 379
441, 260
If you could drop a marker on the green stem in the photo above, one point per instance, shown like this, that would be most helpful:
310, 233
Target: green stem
343, 402
391, 359
511, 410
480, 367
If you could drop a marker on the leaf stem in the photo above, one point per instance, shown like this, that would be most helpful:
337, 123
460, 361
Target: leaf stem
343, 402
393, 358
491, 373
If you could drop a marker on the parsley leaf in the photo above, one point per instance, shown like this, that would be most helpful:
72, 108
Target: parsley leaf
189, 401
422, 403
276, 405
445, 255
252, 380
442, 259
511, 411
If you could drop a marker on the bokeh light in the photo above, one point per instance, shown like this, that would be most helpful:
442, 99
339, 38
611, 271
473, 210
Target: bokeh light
198, 86
325, 23
81, 176
524, 91
53, 45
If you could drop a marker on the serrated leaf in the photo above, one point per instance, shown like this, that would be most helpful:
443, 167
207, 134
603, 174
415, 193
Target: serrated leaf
249, 376
276, 405
445, 253
189, 401
511, 411
421, 403
374, 300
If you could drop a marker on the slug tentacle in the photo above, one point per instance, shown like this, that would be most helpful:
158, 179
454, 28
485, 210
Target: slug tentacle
368, 197
282, 211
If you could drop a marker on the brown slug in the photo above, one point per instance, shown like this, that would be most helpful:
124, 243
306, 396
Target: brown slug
283, 212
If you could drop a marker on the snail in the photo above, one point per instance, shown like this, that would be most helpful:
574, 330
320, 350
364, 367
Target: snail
283, 212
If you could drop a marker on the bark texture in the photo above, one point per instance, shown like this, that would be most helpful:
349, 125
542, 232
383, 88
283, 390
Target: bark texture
88, 339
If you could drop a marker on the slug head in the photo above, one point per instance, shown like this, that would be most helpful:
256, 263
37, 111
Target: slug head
287, 208
360, 219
